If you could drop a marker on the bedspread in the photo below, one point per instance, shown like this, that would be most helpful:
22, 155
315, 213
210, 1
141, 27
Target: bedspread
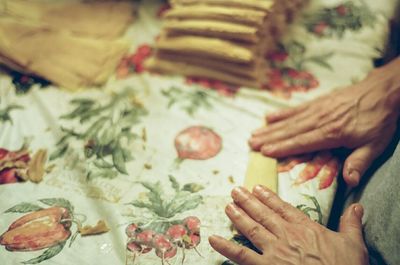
139, 172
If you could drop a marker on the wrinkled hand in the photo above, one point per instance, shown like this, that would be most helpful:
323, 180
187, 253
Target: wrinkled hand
285, 235
362, 117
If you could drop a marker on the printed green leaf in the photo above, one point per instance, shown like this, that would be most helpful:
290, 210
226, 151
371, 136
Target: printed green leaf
108, 124
5, 113
59, 152
102, 173
321, 60
140, 204
174, 183
182, 202
100, 163
193, 187
189, 100
60, 202
306, 210
24, 207
73, 237
79, 101
48, 254
119, 161
94, 128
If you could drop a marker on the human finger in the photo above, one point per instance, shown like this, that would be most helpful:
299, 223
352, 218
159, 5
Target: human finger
300, 144
284, 114
236, 253
282, 208
257, 210
252, 230
286, 131
358, 162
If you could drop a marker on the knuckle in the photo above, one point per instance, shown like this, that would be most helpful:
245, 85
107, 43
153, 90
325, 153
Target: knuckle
282, 209
241, 254
254, 232
333, 131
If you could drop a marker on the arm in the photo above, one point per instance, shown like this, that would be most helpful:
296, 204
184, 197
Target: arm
363, 117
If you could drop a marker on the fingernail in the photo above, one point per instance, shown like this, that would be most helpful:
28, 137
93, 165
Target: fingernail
261, 190
239, 192
233, 209
359, 211
268, 149
354, 177
258, 131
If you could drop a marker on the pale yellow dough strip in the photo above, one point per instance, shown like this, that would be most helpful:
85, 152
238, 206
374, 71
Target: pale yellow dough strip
261, 170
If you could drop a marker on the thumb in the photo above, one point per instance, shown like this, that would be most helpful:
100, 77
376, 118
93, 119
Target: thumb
360, 160
351, 222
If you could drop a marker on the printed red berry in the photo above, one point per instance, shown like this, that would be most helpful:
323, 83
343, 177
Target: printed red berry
144, 50
176, 232
3, 153
320, 28
341, 10
278, 56
131, 230
164, 248
145, 237
134, 247
192, 223
194, 241
8, 176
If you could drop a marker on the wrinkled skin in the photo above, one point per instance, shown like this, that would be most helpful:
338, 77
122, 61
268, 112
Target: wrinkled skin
362, 117
285, 235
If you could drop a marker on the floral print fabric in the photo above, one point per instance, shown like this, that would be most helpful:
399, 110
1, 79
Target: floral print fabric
139, 172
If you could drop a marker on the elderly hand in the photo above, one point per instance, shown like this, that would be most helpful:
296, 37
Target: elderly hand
362, 117
285, 235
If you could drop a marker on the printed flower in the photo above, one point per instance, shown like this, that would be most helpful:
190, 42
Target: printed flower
16, 166
13, 165
219, 86
341, 10
164, 8
348, 16
134, 63
277, 56
320, 28
283, 82
23, 82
